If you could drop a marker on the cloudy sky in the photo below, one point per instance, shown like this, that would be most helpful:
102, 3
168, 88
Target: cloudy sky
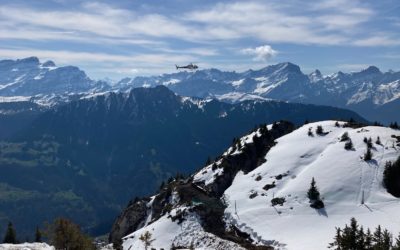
142, 37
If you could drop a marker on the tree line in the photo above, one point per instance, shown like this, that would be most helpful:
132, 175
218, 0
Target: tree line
62, 234
355, 237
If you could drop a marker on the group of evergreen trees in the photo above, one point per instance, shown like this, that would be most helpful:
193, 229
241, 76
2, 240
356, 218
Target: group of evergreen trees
346, 138
354, 237
62, 234
11, 235
394, 125
391, 177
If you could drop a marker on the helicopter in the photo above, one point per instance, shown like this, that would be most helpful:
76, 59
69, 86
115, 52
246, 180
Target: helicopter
190, 66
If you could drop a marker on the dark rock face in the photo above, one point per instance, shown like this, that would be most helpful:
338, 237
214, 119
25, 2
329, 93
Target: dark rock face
130, 220
251, 157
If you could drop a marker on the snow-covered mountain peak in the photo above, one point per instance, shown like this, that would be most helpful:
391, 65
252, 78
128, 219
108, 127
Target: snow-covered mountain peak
49, 64
29, 60
371, 70
30, 77
315, 76
291, 67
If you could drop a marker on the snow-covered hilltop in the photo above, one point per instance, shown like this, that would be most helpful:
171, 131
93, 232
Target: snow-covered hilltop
227, 204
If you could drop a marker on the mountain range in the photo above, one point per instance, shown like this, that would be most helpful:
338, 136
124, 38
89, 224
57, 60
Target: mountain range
373, 94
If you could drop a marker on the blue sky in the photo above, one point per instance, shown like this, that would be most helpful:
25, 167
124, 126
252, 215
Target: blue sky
142, 37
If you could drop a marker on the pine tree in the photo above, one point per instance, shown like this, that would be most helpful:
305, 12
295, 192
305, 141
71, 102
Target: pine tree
337, 124
313, 193
310, 133
348, 145
353, 233
319, 130
345, 137
11, 235
368, 240
386, 239
391, 175
368, 155
378, 141
38, 235
369, 143
377, 238
347, 239
360, 238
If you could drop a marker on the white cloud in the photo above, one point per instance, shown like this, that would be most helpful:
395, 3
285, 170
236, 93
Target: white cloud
76, 57
326, 23
377, 41
261, 53
153, 41
344, 6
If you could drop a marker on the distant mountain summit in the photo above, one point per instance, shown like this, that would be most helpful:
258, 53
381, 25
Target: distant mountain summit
30, 77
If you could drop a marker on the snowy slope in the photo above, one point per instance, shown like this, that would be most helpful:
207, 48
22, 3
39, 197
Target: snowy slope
26, 246
349, 187
166, 233
342, 177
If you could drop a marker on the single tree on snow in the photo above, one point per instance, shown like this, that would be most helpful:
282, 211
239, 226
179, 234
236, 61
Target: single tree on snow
313, 193
146, 238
